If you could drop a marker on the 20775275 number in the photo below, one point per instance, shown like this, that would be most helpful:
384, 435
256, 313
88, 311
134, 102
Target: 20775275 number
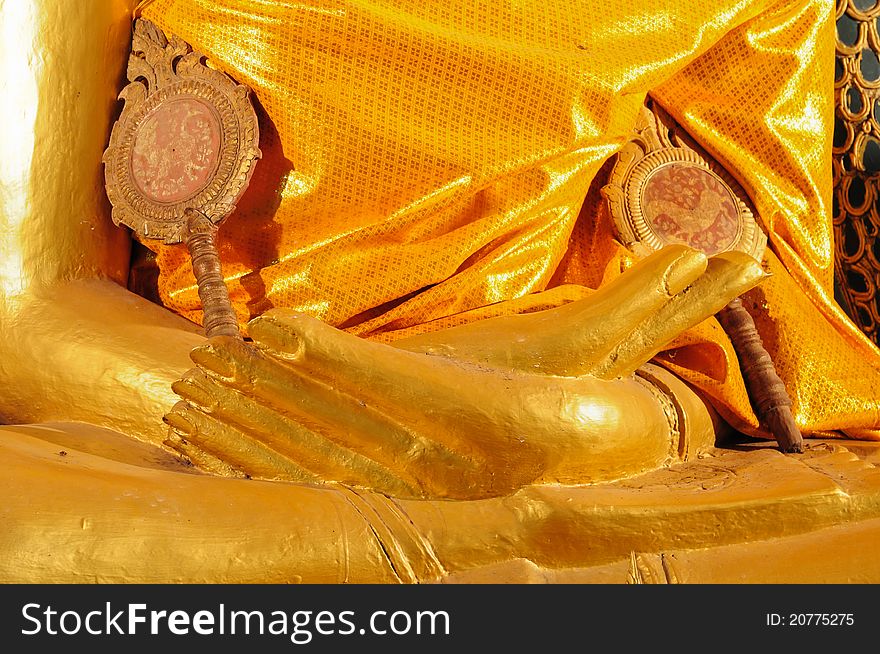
810, 619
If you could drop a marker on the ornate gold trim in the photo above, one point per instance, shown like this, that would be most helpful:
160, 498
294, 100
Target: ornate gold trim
160, 72
655, 145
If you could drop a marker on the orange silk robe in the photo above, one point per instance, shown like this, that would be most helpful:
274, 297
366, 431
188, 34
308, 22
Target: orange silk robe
432, 163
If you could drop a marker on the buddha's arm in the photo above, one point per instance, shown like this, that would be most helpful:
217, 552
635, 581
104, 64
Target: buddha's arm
465, 413
76, 345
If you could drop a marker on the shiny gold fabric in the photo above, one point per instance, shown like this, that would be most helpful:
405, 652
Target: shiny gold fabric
427, 164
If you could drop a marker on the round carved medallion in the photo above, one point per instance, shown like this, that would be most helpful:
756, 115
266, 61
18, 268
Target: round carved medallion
662, 191
186, 140
176, 149
688, 204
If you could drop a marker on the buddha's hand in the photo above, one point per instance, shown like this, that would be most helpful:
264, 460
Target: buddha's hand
470, 412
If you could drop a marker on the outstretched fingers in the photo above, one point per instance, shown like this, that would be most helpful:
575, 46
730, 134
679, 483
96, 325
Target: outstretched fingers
275, 418
572, 339
727, 276
445, 402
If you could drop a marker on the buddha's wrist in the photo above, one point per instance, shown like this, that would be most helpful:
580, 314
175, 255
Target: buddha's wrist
693, 423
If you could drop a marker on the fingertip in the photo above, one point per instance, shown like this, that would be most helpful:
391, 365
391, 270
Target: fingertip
179, 419
745, 269
194, 386
687, 265
277, 331
672, 268
215, 356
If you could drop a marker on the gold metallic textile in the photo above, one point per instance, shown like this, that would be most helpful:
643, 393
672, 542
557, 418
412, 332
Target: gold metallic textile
427, 164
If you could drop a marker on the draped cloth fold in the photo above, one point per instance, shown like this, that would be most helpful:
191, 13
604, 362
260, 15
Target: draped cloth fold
429, 164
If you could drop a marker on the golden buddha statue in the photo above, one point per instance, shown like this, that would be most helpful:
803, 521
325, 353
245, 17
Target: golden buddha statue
456, 374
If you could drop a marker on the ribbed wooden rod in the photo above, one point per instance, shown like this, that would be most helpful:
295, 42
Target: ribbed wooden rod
219, 316
766, 390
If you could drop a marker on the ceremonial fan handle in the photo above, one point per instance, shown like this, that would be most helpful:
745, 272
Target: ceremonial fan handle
219, 318
767, 391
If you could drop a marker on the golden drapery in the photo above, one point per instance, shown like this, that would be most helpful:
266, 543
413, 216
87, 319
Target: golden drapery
429, 164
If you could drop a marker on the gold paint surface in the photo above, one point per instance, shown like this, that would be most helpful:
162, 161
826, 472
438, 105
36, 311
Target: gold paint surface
62, 63
810, 517
72, 356
105, 521
78, 347
847, 558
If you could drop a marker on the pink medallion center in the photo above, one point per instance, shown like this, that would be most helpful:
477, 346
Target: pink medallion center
175, 151
688, 204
